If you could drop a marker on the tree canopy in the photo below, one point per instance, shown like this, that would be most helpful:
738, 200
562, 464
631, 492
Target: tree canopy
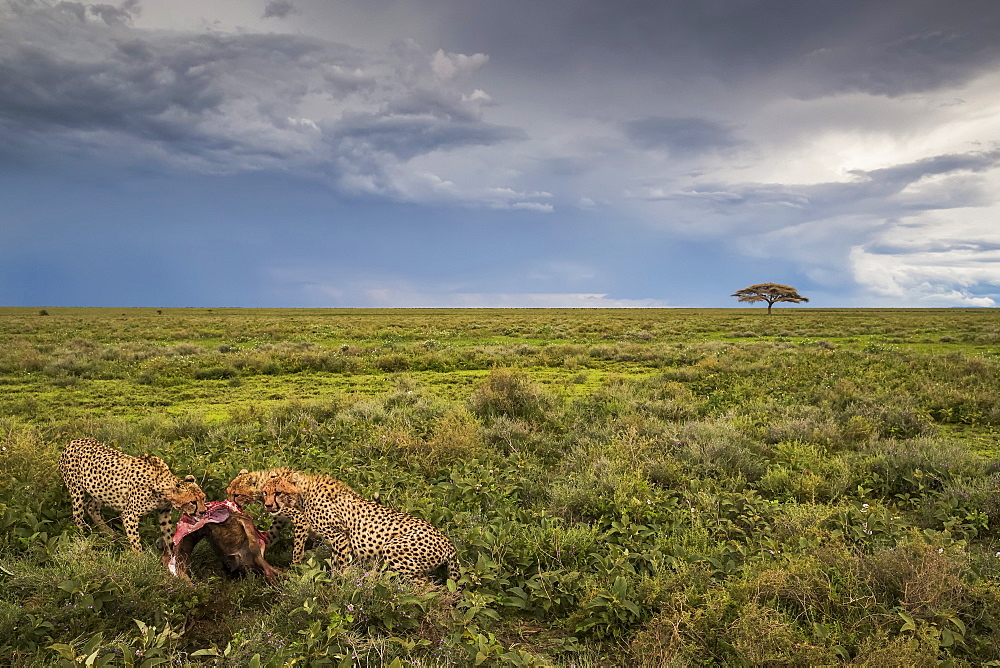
770, 293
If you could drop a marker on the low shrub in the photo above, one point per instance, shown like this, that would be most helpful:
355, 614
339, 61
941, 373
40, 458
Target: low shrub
720, 445
807, 473
454, 437
512, 394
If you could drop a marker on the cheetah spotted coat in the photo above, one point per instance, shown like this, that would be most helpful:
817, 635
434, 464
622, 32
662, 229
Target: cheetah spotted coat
360, 528
135, 486
246, 488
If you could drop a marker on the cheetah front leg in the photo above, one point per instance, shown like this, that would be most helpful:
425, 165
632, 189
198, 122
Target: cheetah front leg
130, 522
278, 522
301, 526
166, 542
302, 530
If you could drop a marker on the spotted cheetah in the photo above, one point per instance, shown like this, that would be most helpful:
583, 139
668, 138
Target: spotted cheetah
133, 485
408, 545
246, 487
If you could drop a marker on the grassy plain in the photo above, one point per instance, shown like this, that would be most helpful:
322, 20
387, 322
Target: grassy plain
625, 487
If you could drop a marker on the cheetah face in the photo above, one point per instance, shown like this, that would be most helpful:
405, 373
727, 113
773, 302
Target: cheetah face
287, 501
280, 493
241, 491
187, 496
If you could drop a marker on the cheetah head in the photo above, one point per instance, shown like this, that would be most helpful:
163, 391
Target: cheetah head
241, 490
186, 496
279, 492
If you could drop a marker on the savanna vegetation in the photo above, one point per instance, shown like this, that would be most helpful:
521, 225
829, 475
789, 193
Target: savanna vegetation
624, 487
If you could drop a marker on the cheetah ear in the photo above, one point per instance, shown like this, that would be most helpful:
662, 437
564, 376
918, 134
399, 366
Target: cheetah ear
189, 478
274, 475
242, 471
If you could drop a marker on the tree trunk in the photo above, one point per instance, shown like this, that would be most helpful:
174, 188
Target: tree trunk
769, 305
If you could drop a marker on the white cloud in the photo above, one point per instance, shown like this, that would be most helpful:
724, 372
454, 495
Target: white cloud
478, 96
541, 207
937, 258
449, 66
928, 280
839, 184
304, 122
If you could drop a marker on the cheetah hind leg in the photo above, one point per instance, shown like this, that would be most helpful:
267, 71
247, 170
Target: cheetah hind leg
77, 499
400, 557
426, 572
406, 568
93, 508
339, 542
343, 552
454, 571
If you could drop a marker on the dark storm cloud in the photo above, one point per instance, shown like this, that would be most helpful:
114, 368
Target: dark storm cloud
908, 63
77, 9
409, 136
881, 191
112, 14
884, 48
681, 136
278, 9
890, 47
227, 101
136, 83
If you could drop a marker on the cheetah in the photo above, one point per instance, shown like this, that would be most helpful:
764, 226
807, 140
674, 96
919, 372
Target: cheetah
133, 485
409, 545
246, 488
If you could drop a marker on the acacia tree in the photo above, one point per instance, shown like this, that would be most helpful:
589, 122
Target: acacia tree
770, 293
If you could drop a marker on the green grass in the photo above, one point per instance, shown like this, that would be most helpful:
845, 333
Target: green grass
625, 487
